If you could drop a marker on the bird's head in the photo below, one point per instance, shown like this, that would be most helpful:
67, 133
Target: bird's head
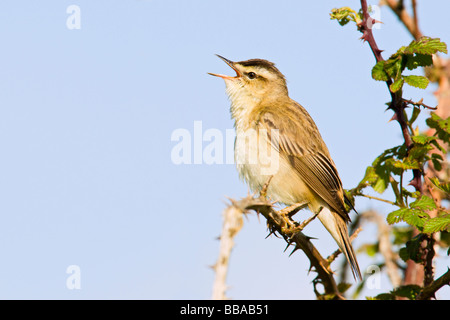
255, 79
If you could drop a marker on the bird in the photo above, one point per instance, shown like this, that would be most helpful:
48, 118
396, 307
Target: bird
278, 141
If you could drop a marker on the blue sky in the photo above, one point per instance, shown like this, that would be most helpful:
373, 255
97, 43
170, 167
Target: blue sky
86, 119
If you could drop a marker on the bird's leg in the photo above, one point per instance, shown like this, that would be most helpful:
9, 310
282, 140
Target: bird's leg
297, 227
288, 212
291, 210
305, 223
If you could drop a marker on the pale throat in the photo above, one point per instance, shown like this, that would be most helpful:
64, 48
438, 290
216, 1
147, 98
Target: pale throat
242, 105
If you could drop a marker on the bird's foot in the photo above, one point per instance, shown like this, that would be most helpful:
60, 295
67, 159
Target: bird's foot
286, 213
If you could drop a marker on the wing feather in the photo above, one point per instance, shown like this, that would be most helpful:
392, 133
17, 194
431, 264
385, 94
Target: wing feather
307, 154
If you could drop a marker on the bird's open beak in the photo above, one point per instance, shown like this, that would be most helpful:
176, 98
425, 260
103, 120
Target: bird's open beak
231, 64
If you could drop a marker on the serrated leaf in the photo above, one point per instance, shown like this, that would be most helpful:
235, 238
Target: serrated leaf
393, 66
378, 72
396, 216
423, 139
344, 15
418, 60
412, 250
407, 291
425, 45
407, 164
442, 126
396, 85
440, 223
437, 122
370, 175
415, 114
417, 81
424, 203
419, 151
442, 186
416, 218
413, 216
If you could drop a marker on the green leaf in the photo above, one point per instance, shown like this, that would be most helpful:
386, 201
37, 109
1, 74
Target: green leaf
403, 254
444, 239
416, 60
424, 203
423, 139
407, 164
437, 161
442, 186
416, 218
370, 177
415, 114
397, 85
407, 291
378, 72
440, 223
417, 81
442, 126
439, 147
413, 249
344, 15
397, 215
402, 234
394, 66
382, 296
370, 249
419, 152
425, 45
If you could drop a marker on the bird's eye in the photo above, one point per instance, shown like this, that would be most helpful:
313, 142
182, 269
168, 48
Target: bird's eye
251, 75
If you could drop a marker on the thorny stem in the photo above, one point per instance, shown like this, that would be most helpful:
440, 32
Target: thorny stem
397, 103
430, 290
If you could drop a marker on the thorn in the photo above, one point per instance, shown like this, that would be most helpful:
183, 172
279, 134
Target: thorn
364, 36
271, 231
389, 106
394, 117
288, 245
310, 268
257, 215
415, 182
295, 249
379, 51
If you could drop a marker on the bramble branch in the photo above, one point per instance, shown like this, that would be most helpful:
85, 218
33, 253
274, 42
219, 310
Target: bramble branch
429, 291
290, 230
397, 103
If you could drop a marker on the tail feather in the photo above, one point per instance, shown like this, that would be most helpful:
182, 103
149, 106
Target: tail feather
347, 249
337, 227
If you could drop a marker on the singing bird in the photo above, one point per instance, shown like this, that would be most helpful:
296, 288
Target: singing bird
276, 138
